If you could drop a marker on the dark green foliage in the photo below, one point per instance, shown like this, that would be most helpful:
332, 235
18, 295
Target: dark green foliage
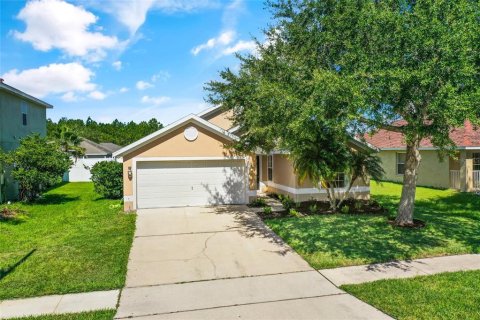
258, 203
287, 202
107, 177
37, 165
120, 133
356, 66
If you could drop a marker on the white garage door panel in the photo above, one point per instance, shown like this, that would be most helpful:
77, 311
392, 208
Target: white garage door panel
190, 183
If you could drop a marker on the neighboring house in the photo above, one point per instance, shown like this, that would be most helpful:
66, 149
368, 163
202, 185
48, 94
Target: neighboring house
20, 115
188, 163
461, 172
94, 152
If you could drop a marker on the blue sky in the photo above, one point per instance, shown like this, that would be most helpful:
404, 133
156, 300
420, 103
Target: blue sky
130, 60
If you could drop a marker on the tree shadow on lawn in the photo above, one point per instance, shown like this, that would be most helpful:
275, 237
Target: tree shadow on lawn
453, 226
6, 271
54, 198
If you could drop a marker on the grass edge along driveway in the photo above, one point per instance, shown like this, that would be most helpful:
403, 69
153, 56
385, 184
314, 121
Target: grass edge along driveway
72, 240
329, 241
453, 295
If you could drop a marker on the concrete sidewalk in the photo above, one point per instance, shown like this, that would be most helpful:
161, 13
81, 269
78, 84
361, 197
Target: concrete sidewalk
401, 269
58, 304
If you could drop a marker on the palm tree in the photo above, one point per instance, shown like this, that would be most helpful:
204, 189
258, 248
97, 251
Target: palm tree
69, 142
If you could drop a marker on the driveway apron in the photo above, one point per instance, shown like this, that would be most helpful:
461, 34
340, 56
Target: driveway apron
224, 263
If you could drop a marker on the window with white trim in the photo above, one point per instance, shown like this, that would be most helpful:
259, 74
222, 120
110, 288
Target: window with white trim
476, 161
339, 181
270, 167
401, 156
24, 108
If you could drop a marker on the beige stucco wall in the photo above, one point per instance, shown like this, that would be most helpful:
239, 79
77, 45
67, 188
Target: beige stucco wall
174, 144
223, 119
431, 172
283, 174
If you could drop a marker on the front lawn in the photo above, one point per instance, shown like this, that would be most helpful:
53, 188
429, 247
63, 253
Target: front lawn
442, 296
91, 315
328, 241
70, 241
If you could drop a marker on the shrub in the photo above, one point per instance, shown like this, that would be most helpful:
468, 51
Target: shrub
287, 202
345, 209
107, 177
294, 213
258, 202
313, 208
267, 210
37, 165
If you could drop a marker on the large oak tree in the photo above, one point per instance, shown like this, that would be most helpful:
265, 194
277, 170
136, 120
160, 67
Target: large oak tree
359, 66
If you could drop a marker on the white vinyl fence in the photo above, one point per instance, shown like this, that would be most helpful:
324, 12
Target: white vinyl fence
476, 180
80, 170
455, 179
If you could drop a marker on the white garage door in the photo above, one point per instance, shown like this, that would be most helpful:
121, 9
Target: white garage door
190, 183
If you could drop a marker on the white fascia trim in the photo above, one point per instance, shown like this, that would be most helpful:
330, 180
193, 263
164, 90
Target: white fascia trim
208, 111
185, 158
24, 95
303, 191
190, 118
364, 144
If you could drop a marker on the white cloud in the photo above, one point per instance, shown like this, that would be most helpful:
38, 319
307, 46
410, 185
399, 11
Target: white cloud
161, 76
223, 39
54, 78
240, 46
57, 24
97, 95
133, 13
155, 100
142, 85
70, 97
117, 65
123, 90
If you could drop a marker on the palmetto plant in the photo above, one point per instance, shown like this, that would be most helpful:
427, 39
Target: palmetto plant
69, 142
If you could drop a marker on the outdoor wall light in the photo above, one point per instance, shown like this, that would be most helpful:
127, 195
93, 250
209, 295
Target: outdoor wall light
129, 173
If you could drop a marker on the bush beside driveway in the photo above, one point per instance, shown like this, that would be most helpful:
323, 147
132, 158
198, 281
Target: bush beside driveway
71, 240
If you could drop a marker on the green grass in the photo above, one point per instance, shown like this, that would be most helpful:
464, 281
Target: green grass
442, 296
92, 315
70, 241
328, 241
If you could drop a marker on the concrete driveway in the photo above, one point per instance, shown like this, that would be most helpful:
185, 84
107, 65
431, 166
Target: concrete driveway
224, 263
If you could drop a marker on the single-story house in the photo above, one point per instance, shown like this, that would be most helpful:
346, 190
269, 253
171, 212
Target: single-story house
461, 172
20, 115
189, 163
94, 152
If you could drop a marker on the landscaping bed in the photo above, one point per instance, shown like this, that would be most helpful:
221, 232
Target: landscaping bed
71, 240
315, 207
443, 296
335, 240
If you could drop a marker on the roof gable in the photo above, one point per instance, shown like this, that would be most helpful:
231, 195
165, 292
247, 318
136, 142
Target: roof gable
171, 127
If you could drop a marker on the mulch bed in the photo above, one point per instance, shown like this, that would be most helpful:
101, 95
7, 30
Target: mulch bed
417, 224
307, 208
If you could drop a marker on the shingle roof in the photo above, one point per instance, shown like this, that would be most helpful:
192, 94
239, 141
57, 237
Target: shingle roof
466, 136
93, 148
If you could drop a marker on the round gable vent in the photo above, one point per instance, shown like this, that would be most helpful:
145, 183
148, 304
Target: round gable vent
190, 133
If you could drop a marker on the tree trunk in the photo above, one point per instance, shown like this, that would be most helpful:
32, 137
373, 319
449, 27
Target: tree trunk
407, 202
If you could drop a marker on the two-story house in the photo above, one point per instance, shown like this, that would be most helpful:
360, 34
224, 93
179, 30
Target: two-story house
20, 115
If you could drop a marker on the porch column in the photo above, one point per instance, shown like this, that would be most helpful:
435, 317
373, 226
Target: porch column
463, 170
469, 170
